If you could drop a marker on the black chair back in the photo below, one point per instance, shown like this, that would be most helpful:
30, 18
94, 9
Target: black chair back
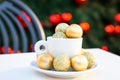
19, 26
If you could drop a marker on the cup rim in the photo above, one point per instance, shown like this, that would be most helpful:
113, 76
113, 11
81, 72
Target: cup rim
50, 37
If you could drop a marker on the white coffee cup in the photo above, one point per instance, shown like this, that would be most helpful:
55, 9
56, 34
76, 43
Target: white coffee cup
58, 46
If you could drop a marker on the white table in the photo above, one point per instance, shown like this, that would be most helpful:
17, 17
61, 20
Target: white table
17, 67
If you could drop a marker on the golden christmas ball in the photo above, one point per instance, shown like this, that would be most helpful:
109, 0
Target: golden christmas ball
61, 63
44, 61
74, 31
61, 27
90, 57
59, 35
79, 63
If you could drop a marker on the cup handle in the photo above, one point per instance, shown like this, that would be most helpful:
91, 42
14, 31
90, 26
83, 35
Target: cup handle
40, 44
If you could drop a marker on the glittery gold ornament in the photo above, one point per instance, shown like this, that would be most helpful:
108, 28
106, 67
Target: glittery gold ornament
74, 31
44, 61
59, 35
61, 63
61, 27
90, 57
79, 63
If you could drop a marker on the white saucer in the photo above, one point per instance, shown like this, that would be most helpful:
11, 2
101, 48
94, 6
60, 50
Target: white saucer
69, 74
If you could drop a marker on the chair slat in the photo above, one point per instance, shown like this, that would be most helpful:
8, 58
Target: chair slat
30, 27
22, 31
13, 31
4, 36
9, 9
35, 20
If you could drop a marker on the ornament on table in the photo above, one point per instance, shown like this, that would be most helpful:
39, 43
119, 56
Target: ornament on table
61, 63
104, 47
74, 31
54, 19
66, 17
45, 61
79, 63
24, 25
109, 29
80, 2
85, 27
117, 30
90, 57
117, 17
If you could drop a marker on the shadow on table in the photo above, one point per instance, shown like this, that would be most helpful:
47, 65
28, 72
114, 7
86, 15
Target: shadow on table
26, 73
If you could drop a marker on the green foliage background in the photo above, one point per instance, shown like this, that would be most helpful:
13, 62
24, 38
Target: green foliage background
98, 13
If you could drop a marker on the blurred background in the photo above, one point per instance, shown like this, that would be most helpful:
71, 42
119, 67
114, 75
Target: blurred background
99, 19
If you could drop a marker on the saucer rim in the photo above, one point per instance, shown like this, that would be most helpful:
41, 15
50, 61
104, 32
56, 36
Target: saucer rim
34, 66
